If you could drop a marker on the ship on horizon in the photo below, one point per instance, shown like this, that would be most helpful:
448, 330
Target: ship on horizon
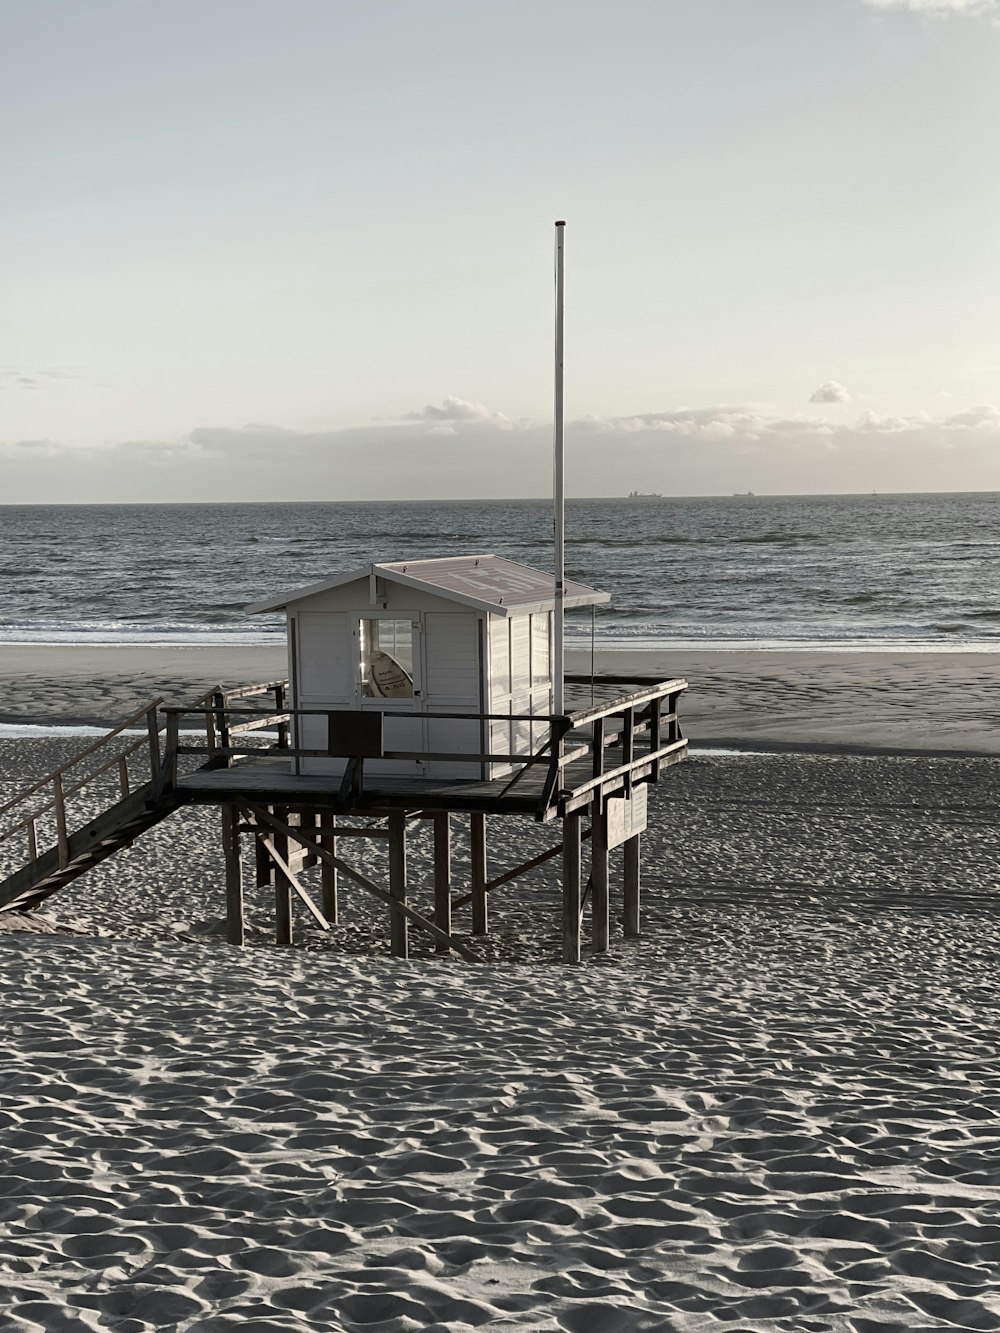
644, 495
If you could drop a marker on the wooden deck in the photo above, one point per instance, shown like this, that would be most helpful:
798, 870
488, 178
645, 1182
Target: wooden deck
269, 780
231, 749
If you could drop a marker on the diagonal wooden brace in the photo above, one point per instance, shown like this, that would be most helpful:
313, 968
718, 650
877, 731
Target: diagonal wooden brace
296, 887
302, 835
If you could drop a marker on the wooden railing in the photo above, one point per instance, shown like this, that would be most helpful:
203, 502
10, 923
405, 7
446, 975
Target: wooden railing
49, 795
41, 812
642, 725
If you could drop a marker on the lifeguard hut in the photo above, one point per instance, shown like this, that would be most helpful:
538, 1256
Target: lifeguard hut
417, 690
453, 657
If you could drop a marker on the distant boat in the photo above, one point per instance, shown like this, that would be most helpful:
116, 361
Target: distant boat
740, 495
644, 495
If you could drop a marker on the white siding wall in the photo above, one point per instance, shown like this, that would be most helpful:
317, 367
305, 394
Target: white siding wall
452, 684
326, 653
520, 660
325, 649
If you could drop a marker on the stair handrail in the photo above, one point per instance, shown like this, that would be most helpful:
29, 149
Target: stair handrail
144, 712
56, 779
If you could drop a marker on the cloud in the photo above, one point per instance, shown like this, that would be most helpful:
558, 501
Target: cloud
985, 417
482, 452
34, 379
940, 7
454, 410
830, 392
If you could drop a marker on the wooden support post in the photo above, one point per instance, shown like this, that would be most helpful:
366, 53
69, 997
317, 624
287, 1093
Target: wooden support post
631, 916
330, 901
442, 876
572, 825
480, 907
600, 900
282, 890
235, 928
399, 926
32, 841
123, 783
263, 864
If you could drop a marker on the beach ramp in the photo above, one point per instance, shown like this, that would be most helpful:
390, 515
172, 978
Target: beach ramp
98, 802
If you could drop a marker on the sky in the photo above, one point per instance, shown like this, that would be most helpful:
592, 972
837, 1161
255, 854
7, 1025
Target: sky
303, 250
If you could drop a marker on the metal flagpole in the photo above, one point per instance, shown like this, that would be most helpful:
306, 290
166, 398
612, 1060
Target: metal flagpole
559, 495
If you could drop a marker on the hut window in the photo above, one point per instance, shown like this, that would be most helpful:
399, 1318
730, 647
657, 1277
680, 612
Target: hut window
387, 659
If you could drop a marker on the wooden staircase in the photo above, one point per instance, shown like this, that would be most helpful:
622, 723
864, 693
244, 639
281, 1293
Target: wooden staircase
130, 785
38, 829
112, 830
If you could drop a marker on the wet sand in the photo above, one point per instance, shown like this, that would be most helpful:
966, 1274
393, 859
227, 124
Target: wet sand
903, 702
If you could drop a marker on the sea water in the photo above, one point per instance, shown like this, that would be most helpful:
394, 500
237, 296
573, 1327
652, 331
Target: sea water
915, 572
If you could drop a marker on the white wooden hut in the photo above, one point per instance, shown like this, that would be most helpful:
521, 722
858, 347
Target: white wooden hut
467, 634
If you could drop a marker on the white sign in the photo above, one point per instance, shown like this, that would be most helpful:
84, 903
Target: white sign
626, 817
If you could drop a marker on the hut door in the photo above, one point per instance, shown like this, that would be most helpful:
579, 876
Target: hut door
389, 682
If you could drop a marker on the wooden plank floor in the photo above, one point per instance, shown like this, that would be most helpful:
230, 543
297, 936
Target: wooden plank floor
269, 781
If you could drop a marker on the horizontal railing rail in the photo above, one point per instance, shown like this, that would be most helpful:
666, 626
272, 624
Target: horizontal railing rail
644, 726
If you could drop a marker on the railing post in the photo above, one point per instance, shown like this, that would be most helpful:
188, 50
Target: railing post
60, 810
628, 745
222, 724
598, 744
171, 742
153, 727
655, 709
123, 775
32, 841
279, 707
210, 733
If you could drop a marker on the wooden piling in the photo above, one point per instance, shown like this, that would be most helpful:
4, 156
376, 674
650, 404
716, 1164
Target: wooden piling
330, 901
632, 886
235, 926
283, 929
442, 876
399, 926
600, 898
480, 907
572, 848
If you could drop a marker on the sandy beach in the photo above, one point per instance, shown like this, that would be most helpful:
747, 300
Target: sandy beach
777, 1110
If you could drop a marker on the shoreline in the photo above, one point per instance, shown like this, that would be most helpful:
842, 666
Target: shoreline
824, 701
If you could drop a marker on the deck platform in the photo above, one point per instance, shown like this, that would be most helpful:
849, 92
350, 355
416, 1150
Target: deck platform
232, 749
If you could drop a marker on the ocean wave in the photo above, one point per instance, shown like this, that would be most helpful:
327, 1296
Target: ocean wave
777, 539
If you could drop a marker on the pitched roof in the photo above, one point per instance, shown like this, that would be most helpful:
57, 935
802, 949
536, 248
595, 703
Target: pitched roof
486, 582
